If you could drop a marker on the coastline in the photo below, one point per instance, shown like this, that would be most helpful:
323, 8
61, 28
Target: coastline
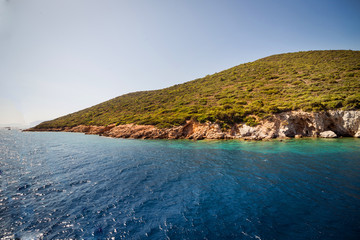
293, 124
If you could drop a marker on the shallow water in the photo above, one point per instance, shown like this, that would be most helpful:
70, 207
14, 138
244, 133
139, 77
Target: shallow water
69, 185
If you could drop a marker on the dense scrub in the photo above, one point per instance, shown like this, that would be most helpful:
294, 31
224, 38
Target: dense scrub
311, 81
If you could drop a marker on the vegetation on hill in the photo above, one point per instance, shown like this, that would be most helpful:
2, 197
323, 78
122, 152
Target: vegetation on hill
311, 81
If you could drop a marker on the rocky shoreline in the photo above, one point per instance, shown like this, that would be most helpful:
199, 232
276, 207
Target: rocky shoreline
294, 124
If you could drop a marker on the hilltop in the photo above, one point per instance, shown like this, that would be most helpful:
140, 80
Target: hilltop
312, 81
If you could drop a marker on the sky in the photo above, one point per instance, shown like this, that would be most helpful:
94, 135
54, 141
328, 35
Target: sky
61, 56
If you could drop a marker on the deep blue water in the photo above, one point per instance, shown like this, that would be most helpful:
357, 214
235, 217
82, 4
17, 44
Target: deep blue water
69, 185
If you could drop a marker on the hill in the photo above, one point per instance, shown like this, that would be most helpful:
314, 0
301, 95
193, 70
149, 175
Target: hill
312, 81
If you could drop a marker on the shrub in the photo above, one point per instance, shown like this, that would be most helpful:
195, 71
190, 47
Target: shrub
251, 121
352, 102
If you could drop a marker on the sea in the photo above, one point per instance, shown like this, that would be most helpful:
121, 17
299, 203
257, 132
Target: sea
56, 185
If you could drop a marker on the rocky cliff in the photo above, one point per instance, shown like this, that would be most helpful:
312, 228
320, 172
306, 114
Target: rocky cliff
283, 125
304, 124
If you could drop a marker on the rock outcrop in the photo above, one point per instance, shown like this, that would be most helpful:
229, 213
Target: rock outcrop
283, 125
305, 124
328, 134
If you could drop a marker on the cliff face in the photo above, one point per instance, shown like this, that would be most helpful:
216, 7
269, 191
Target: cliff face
288, 124
304, 124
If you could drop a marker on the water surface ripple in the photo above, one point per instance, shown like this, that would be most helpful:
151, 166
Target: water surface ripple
74, 186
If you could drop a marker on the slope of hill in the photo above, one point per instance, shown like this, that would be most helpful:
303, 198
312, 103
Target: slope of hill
312, 81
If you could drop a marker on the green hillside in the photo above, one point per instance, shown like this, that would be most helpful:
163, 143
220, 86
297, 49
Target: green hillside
311, 81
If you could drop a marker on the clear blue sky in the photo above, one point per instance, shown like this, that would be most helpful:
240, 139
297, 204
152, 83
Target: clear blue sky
61, 56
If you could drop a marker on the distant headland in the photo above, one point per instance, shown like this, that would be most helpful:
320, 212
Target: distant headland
303, 94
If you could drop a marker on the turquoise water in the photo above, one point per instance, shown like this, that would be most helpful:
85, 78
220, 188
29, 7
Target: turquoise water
69, 185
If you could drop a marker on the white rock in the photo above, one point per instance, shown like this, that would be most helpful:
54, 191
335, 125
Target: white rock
357, 134
328, 134
246, 130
